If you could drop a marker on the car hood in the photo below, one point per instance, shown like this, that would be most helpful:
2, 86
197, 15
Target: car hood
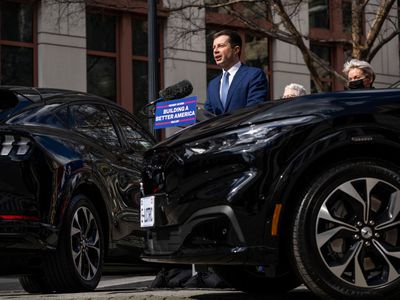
324, 105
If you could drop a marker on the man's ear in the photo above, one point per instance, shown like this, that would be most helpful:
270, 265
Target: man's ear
237, 49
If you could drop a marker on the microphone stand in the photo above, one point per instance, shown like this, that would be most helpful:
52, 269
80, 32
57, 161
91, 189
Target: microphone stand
144, 111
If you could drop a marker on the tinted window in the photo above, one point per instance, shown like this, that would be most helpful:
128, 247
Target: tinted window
94, 122
16, 65
101, 76
101, 31
45, 115
319, 13
136, 138
16, 43
16, 21
139, 37
101, 60
63, 115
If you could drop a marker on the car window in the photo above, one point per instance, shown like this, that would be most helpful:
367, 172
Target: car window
63, 115
135, 136
94, 122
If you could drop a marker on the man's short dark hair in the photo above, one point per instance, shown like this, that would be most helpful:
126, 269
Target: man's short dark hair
234, 37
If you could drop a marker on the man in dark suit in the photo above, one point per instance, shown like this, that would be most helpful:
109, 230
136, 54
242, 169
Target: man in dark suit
239, 85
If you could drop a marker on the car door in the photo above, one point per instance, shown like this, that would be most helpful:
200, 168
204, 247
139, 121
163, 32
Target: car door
99, 136
136, 141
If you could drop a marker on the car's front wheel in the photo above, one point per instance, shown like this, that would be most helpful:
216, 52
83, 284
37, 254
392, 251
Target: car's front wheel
346, 232
77, 264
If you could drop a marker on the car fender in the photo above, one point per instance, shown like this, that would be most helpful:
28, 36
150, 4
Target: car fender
342, 144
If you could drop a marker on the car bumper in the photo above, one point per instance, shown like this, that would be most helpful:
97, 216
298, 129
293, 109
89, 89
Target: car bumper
210, 236
27, 235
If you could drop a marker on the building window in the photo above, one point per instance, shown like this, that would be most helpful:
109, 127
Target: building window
256, 52
346, 16
325, 53
319, 13
139, 67
117, 58
17, 43
101, 55
334, 53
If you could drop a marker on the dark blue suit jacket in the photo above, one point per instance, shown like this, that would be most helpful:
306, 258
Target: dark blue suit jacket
249, 87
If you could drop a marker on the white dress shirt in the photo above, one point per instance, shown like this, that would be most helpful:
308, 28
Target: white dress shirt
232, 72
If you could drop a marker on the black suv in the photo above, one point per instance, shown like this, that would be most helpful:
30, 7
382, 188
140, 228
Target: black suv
302, 190
69, 187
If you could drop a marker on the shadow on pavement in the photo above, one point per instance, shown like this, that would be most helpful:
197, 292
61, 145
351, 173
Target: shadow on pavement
294, 295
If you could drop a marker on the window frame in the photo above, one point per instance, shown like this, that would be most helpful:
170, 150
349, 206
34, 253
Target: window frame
124, 54
33, 45
335, 32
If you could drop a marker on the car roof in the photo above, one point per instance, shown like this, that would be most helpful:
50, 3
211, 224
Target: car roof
36, 95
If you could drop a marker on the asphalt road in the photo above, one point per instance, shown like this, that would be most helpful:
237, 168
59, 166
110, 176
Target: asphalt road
137, 288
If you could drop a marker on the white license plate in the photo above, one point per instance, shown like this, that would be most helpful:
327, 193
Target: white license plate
147, 211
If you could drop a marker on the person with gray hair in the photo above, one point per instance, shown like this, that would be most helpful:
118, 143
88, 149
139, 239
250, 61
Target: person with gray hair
359, 73
293, 90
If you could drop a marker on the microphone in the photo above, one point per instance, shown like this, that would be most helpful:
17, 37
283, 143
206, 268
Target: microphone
179, 90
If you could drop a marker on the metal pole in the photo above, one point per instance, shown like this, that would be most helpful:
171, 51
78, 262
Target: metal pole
153, 54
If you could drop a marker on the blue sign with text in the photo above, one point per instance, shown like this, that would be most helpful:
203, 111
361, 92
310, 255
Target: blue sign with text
175, 112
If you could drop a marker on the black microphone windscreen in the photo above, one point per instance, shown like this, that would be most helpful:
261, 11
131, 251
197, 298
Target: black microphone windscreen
179, 90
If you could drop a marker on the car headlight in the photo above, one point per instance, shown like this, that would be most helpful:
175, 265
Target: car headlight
254, 134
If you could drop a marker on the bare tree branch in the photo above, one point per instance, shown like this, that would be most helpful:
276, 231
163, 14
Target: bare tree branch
383, 11
379, 46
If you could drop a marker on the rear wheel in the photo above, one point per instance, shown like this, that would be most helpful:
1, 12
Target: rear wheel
77, 264
346, 233
252, 279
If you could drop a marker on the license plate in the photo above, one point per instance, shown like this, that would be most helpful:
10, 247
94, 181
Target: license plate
147, 211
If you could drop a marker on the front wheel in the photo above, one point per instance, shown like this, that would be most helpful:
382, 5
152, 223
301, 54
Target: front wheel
77, 264
346, 232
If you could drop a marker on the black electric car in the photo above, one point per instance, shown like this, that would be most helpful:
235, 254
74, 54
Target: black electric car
69, 187
302, 190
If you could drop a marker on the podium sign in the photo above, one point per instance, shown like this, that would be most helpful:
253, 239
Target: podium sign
175, 112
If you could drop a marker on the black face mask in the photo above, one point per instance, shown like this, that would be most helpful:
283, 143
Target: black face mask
356, 84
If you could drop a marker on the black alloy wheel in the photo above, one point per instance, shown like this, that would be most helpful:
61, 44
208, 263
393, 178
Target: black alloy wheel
78, 262
346, 232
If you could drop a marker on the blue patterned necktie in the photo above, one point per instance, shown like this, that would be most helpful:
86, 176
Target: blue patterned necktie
224, 88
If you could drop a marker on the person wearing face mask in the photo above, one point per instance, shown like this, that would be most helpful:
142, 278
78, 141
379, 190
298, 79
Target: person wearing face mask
359, 73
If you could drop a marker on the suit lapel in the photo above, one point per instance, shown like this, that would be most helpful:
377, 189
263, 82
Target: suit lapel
217, 96
234, 84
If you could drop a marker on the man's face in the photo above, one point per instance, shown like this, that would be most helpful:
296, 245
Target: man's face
224, 54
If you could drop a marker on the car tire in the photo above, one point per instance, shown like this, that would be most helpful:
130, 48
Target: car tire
34, 284
77, 264
252, 279
346, 232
